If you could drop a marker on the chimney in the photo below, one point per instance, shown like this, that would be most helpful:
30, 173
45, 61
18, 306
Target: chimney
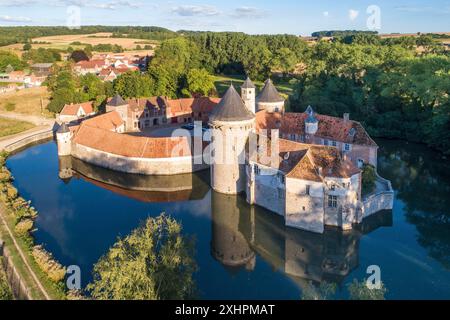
346, 117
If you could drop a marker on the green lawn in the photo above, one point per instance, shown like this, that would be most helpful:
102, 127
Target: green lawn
223, 82
9, 127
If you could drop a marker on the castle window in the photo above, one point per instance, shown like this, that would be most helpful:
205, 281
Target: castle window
347, 147
307, 189
334, 143
333, 187
325, 142
332, 201
282, 179
256, 170
360, 163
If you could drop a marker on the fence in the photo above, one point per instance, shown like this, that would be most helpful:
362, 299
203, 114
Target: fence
18, 287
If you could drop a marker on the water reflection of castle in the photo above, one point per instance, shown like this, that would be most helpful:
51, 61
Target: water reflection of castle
302, 255
240, 231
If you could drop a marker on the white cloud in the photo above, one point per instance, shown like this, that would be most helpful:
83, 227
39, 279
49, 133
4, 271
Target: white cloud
17, 3
326, 14
109, 5
189, 11
248, 12
353, 14
14, 19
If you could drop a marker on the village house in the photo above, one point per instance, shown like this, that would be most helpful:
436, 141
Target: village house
75, 112
313, 179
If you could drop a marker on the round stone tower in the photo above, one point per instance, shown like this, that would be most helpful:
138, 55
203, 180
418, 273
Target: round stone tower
231, 123
269, 99
248, 93
311, 122
64, 140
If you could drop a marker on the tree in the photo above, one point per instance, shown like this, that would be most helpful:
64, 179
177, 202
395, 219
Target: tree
284, 60
10, 60
325, 291
155, 262
27, 46
79, 55
368, 179
134, 85
199, 82
360, 291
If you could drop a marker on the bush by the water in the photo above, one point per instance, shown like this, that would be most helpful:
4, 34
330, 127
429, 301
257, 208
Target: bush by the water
369, 177
54, 270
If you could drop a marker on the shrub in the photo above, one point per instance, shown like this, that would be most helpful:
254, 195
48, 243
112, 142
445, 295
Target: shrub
5, 291
5, 175
10, 106
11, 192
54, 270
369, 176
24, 227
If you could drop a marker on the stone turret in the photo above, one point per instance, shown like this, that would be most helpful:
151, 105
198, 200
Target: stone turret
311, 122
248, 93
269, 99
231, 123
117, 103
64, 140
65, 168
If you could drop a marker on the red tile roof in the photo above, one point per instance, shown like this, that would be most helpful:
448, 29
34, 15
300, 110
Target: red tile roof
91, 64
329, 127
106, 121
72, 109
132, 146
302, 161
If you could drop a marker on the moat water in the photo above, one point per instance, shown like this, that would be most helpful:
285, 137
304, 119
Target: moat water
243, 252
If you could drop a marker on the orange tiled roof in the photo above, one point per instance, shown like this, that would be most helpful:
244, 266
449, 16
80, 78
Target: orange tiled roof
72, 109
329, 127
106, 121
302, 161
91, 64
131, 146
189, 105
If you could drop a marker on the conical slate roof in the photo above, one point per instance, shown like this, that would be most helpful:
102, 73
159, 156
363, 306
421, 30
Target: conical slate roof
248, 84
117, 101
231, 108
269, 93
63, 128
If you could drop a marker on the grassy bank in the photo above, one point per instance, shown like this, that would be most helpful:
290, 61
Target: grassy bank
9, 127
19, 216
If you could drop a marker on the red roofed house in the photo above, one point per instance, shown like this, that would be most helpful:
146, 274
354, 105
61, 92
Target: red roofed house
75, 112
92, 66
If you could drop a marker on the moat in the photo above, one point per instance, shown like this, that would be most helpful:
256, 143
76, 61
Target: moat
81, 216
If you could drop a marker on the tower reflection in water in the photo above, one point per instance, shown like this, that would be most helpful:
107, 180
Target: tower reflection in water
240, 232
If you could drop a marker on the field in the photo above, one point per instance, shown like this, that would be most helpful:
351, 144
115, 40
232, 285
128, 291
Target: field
64, 41
9, 127
27, 101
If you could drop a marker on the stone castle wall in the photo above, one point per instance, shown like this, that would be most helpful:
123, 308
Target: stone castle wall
146, 166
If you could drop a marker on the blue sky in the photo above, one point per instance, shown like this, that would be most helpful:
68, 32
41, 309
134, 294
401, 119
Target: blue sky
251, 16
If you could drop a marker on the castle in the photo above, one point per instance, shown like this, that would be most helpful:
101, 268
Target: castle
312, 178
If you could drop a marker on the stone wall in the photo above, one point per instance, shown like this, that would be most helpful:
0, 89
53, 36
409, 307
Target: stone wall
146, 166
305, 211
27, 141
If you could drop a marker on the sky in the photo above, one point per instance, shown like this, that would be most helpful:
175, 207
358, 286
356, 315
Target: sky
254, 17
